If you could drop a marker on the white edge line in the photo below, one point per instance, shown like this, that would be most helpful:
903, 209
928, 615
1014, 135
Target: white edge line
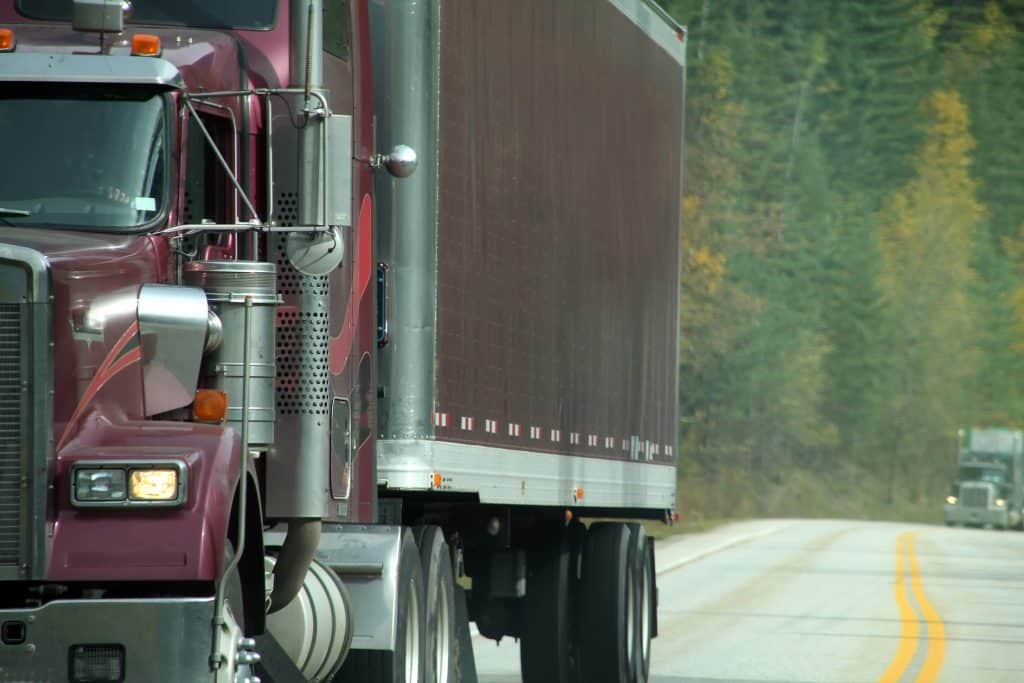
474, 632
719, 548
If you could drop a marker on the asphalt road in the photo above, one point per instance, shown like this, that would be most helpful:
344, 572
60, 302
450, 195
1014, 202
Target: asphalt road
826, 601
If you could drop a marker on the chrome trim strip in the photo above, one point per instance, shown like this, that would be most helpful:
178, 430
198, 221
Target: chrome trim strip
510, 477
35, 67
657, 24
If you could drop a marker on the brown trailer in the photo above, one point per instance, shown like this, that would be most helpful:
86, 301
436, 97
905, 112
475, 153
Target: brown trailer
531, 294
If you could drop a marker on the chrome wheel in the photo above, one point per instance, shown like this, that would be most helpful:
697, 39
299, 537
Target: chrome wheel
412, 636
631, 618
645, 614
442, 642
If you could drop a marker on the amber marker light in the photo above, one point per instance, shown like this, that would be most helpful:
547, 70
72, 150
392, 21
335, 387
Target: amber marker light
211, 405
145, 45
6, 40
154, 484
435, 480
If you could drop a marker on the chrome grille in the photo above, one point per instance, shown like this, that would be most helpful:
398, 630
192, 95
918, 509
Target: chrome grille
974, 496
12, 414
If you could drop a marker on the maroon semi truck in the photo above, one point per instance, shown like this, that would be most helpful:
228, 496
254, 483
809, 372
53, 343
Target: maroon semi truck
323, 326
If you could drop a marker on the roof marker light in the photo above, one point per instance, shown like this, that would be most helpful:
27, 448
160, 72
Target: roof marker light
145, 45
6, 40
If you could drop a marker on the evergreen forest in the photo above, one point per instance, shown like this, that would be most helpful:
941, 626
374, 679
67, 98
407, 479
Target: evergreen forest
853, 287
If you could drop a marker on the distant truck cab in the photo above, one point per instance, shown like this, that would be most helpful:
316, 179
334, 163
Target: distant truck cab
987, 488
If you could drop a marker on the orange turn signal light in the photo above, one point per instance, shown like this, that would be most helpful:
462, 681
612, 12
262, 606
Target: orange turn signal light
211, 405
436, 480
145, 45
6, 40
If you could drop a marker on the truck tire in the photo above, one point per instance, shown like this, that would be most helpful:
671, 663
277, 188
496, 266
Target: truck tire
545, 649
404, 664
643, 576
439, 582
607, 606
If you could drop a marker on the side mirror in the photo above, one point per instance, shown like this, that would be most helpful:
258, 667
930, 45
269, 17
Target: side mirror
401, 163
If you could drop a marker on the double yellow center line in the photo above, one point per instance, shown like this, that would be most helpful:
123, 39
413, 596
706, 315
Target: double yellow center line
910, 625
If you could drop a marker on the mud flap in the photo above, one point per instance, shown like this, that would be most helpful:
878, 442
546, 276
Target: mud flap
465, 662
275, 664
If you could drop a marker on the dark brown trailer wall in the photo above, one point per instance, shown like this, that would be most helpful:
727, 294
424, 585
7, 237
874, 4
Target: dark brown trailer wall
558, 229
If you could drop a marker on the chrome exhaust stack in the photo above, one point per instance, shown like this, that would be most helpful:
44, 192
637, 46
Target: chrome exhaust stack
297, 478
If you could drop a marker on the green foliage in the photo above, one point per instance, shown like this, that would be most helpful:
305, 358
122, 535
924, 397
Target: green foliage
854, 245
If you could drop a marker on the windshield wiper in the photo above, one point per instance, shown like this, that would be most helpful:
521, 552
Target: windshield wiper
12, 213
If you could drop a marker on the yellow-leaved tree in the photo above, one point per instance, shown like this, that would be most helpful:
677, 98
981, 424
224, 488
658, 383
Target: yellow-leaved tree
926, 233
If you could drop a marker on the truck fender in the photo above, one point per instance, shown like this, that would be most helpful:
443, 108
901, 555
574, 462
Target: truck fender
250, 567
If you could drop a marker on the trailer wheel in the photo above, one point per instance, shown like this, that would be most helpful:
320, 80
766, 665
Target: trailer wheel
608, 605
545, 648
404, 664
643, 579
439, 581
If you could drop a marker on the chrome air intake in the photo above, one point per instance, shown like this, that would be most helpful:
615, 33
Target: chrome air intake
227, 285
11, 434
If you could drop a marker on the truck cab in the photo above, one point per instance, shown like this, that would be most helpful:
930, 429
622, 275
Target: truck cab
987, 490
305, 328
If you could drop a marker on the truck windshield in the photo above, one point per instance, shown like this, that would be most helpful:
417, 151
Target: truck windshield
974, 473
82, 157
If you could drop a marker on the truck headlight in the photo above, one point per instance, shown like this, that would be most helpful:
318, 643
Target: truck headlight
122, 483
951, 500
1000, 503
155, 484
100, 485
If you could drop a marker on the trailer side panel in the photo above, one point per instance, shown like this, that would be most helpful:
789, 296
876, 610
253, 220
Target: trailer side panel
558, 237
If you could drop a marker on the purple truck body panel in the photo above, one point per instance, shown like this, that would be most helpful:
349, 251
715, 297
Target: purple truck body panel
127, 544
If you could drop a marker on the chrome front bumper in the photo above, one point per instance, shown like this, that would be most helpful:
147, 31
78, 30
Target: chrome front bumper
164, 640
959, 514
